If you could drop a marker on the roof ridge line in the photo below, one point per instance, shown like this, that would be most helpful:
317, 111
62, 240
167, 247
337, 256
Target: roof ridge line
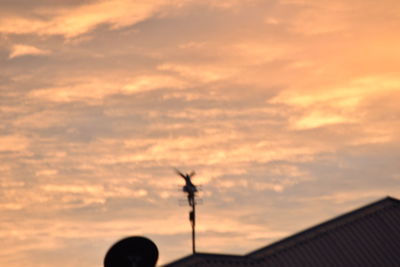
328, 225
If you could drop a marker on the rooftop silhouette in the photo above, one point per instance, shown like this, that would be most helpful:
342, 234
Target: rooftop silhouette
368, 236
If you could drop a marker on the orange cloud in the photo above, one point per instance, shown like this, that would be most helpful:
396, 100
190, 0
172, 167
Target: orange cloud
23, 50
199, 73
74, 21
78, 20
92, 89
13, 143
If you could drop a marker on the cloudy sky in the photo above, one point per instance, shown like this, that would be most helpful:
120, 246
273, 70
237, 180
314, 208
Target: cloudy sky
288, 110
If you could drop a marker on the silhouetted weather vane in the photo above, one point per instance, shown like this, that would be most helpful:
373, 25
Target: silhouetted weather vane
191, 191
189, 187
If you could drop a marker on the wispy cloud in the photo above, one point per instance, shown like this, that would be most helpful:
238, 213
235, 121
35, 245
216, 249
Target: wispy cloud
77, 20
71, 21
25, 50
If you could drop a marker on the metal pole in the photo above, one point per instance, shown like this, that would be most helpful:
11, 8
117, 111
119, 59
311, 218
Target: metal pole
191, 190
193, 227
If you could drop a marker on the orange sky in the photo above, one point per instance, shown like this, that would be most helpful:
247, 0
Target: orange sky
287, 109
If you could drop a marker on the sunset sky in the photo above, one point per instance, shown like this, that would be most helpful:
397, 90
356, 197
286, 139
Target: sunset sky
288, 110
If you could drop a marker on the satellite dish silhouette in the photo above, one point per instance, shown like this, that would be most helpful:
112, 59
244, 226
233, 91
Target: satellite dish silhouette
133, 251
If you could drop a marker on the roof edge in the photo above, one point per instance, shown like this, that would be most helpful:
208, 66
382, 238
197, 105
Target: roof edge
327, 225
304, 234
202, 255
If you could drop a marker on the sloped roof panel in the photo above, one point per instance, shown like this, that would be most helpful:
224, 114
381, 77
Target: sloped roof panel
369, 236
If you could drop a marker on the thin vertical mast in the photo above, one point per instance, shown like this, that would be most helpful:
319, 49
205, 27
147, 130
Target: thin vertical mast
192, 216
191, 191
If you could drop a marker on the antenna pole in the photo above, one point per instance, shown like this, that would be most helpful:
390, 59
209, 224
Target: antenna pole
191, 191
192, 217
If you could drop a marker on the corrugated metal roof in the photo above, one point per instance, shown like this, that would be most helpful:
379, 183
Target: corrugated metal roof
213, 260
369, 236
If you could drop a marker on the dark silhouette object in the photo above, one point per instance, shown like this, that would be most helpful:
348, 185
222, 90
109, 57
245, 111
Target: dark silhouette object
189, 187
134, 251
368, 236
191, 191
